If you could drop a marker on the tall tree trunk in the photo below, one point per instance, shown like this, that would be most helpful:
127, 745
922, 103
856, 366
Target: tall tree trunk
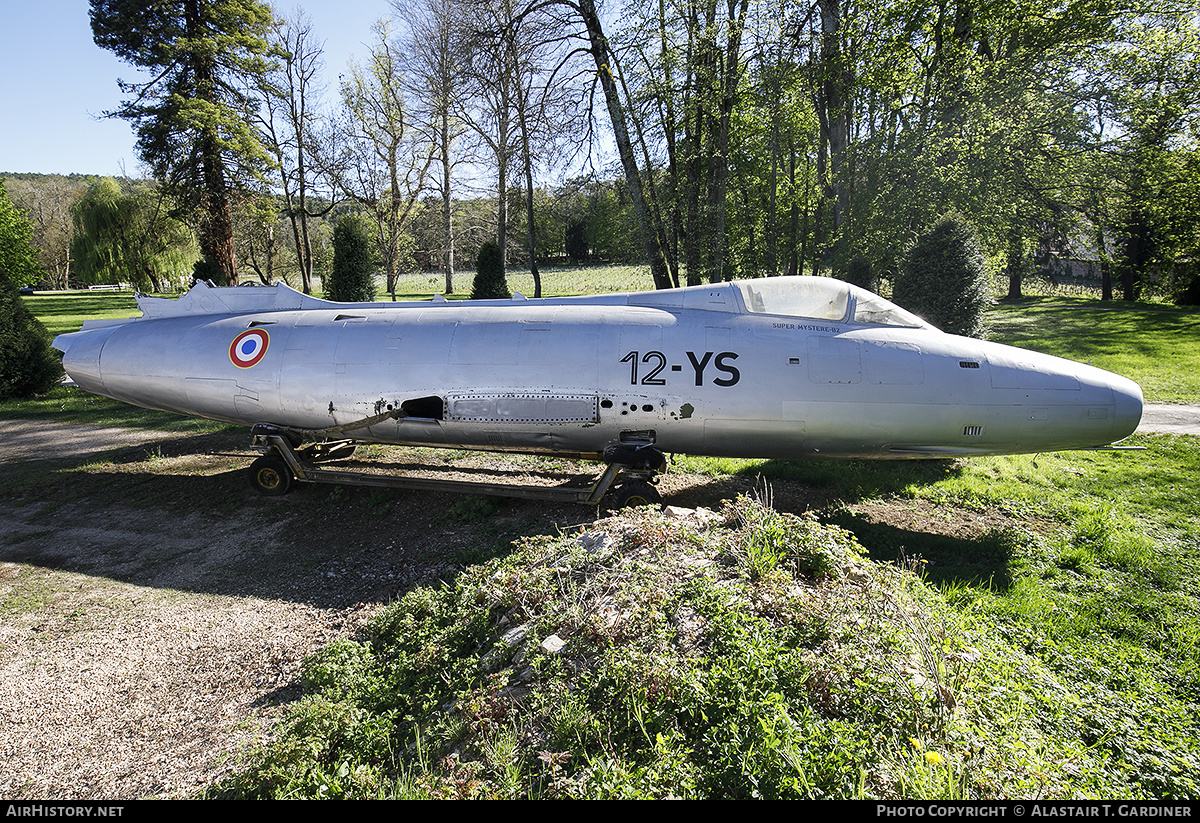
216, 223
599, 49
727, 86
216, 234
447, 203
798, 245
1136, 255
1014, 263
502, 180
528, 163
836, 118
1106, 288
772, 231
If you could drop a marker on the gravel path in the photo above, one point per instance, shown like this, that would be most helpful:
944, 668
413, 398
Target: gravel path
1167, 419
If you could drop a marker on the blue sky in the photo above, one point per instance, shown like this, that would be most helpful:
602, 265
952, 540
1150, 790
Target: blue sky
55, 83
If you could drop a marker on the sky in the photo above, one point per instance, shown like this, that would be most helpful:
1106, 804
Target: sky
56, 83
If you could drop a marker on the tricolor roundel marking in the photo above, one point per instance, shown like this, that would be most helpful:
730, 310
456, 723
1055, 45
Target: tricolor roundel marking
248, 348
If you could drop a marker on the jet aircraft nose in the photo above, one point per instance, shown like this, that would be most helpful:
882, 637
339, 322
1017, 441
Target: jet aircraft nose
1127, 397
81, 356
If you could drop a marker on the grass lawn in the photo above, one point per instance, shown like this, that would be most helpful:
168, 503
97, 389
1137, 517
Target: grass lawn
1154, 345
65, 311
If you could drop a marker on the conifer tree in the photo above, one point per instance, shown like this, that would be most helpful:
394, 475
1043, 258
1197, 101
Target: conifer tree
942, 279
352, 278
191, 115
489, 274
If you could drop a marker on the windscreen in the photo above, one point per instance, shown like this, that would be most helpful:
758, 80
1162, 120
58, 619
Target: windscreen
871, 308
823, 298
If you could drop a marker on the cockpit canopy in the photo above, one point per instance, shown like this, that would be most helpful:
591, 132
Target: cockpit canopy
823, 298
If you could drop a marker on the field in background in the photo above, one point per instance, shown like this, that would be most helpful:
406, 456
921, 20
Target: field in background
556, 281
1155, 345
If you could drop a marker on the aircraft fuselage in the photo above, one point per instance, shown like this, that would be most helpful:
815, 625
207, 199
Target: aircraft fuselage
691, 371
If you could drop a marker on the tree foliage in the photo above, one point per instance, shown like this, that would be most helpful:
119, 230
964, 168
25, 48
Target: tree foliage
18, 260
129, 237
46, 200
750, 138
778, 137
861, 274
27, 363
942, 279
1148, 89
191, 116
352, 277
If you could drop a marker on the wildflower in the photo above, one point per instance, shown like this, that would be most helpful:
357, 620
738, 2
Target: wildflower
917, 744
934, 759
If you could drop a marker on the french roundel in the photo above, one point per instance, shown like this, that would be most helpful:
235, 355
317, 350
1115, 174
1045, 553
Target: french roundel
248, 348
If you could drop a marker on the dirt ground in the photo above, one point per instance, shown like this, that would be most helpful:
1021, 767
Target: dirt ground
154, 609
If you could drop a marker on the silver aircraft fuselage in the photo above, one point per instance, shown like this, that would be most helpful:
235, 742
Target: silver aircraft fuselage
785, 367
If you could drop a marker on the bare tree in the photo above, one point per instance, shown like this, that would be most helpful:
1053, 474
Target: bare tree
492, 100
523, 101
617, 101
552, 102
434, 64
292, 126
47, 202
389, 160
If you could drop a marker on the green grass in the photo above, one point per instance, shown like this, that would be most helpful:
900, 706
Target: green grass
1053, 655
787, 665
1154, 345
62, 312
557, 281
67, 404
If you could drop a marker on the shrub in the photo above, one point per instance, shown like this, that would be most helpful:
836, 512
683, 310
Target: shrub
352, 276
1187, 291
942, 279
489, 274
28, 365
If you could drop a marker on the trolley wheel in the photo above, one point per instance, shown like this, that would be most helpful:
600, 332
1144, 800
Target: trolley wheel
270, 475
635, 493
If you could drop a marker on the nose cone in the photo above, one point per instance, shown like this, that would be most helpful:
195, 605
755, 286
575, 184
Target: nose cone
81, 356
1127, 397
